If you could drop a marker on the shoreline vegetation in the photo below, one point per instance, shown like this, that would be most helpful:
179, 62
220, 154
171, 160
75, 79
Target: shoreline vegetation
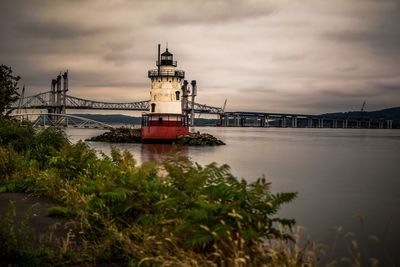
127, 135
170, 213
80, 209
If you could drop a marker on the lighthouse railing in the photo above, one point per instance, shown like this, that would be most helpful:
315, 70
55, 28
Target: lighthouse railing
166, 73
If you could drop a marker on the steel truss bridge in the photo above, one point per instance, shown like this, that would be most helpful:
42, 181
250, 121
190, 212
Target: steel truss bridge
291, 120
43, 101
60, 120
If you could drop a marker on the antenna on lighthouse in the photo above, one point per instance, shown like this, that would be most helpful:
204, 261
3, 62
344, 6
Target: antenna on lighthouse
159, 59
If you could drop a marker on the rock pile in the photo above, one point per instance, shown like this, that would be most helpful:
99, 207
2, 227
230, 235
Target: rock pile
199, 139
119, 135
126, 135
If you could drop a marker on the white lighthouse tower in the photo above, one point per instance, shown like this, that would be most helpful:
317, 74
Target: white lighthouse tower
165, 120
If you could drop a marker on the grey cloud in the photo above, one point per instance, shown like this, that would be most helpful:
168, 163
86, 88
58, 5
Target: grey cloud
296, 57
261, 55
218, 11
258, 90
347, 69
350, 93
389, 88
383, 36
57, 30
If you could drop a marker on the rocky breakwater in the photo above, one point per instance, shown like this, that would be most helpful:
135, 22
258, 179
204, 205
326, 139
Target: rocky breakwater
126, 135
119, 135
199, 139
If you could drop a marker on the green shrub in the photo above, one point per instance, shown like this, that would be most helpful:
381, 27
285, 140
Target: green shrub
8, 162
19, 137
47, 143
150, 213
72, 160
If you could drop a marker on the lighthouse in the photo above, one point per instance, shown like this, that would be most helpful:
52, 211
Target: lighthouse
165, 120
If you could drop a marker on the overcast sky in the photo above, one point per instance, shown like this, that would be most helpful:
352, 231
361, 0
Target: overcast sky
279, 56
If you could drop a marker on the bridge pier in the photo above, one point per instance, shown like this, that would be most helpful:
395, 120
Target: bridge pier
320, 123
294, 122
283, 122
389, 124
267, 120
334, 124
262, 121
310, 123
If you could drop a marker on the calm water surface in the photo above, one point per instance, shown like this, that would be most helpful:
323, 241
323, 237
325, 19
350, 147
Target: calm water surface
338, 173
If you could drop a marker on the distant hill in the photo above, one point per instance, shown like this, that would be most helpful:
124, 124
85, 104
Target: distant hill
384, 114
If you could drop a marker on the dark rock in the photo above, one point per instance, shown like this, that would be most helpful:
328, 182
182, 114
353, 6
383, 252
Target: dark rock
126, 135
119, 135
199, 139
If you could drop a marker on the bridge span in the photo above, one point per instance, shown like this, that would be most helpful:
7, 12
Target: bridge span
56, 114
61, 120
45, 101
293, 120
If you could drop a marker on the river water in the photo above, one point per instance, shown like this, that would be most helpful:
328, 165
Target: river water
340, 174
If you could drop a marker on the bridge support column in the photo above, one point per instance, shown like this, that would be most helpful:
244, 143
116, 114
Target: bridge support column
222, 121
369, 124
262, 121
380, 124
294, 122
64, 92
320, 123
267, 120
59, 96
310, 123
283, 122
237, 120
389, 124
334, 124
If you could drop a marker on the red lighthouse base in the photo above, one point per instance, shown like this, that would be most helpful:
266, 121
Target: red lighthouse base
163, 128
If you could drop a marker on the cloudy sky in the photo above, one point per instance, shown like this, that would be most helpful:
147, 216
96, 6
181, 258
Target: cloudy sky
309, 56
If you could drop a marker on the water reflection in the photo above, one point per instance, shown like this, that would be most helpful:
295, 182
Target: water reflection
156, 152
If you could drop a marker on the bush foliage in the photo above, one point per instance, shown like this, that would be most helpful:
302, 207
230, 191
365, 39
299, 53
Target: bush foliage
174, 211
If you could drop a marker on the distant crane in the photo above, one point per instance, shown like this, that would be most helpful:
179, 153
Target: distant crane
20, 100
363, 106
224, 106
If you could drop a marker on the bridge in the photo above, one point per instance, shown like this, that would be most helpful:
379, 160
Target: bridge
44, 101
293, 120
57, 101
60, 120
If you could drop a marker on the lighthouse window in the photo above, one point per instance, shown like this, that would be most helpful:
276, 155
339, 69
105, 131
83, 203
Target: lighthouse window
177, 93
153, 107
